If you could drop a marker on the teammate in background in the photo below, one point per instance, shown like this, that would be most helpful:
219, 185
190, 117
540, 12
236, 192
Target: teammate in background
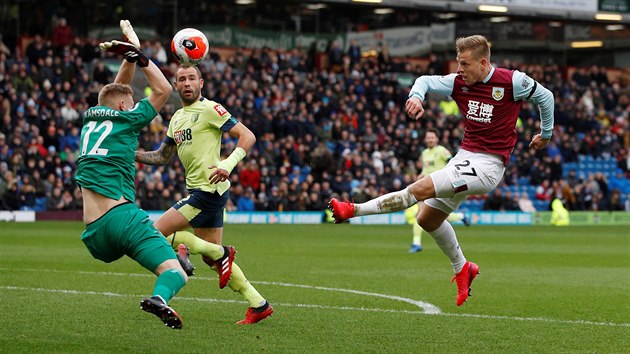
489, 98
434, 158
115, 226
195, 134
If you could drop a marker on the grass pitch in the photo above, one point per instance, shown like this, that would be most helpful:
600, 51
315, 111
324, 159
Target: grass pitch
335, 289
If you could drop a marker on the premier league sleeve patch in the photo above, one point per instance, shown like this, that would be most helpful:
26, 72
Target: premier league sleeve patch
220, 110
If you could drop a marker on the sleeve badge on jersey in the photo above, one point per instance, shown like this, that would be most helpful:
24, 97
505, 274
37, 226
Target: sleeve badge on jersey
220, 109
497, 93
525, 82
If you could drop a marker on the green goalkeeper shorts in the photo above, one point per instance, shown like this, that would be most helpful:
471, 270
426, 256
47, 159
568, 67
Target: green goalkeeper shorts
127, 230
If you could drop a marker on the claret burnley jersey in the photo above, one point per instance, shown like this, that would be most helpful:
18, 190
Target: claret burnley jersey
490, 108
196, 130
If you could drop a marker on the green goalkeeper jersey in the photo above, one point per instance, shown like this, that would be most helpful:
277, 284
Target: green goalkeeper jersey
196, 129
108, 146
434, 159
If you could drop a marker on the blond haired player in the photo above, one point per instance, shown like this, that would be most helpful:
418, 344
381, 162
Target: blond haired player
490, 100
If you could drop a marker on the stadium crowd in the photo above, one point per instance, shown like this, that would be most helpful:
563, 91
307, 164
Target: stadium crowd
340, 131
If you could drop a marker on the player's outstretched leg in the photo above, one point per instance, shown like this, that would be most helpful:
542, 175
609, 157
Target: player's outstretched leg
157, 306
388, 203
464, 281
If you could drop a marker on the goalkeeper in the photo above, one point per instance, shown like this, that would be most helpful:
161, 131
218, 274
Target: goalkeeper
195, 134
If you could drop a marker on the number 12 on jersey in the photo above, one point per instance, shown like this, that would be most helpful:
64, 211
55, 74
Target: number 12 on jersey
105, 128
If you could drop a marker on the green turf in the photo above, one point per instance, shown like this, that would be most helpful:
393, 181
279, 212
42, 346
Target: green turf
540, 290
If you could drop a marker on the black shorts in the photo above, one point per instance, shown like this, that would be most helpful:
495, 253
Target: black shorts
203, 209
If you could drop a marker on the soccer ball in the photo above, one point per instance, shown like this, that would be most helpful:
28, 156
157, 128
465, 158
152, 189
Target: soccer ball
190, 46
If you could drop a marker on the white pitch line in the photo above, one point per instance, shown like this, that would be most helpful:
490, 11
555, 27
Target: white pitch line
199, 299
495, 317
426, 307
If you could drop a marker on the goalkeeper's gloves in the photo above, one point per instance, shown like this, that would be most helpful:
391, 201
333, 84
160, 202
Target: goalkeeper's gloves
131, 53
129, 34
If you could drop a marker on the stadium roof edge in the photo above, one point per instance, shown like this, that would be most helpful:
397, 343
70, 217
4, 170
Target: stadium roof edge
472, 8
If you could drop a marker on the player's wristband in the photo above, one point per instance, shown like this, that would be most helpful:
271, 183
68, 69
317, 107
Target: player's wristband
137, 57
235, 157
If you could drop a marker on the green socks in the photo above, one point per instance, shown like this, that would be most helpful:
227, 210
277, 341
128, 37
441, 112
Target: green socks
168, 284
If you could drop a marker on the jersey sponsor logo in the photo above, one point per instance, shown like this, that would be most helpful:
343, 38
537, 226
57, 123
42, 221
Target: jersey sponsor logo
220, 109
498, 93
479, 111
182, 135
465, 89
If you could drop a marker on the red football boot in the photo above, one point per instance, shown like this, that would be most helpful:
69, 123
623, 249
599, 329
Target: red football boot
342, 211
254, 315
464, 280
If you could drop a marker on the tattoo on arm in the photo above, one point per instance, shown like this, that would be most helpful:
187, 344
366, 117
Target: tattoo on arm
157, 157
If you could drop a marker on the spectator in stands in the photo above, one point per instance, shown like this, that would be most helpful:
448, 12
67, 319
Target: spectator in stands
510, 202
151, 197
335, 56
36, 50
250, 176
62, 35
55, 201
275, 201
246, 200
102, 74
544, 191
525, 204
495, 201
613, 202
354, 51
324, 97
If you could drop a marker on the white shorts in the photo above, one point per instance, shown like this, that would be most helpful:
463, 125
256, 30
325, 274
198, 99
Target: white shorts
467, 173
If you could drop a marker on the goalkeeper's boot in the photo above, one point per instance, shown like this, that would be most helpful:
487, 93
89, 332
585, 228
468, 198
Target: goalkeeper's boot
464, 280
256, 314
223, 265
342, 211
183, 256
158, 307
